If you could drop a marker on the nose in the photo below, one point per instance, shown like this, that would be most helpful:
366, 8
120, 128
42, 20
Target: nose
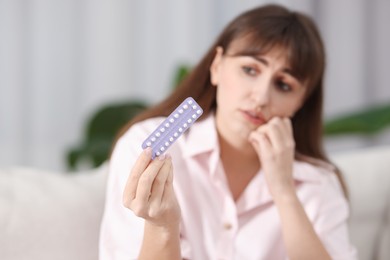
261, 91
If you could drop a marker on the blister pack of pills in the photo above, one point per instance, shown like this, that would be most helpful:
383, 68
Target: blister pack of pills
173, 127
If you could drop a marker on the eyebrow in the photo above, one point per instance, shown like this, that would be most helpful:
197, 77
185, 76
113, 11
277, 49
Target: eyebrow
265, 62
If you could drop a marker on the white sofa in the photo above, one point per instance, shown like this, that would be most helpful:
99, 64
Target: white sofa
46, 216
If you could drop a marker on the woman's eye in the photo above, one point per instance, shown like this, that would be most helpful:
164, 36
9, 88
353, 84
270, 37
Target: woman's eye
284, 87
249, 70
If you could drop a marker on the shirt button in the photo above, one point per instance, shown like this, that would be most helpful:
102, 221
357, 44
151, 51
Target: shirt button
227, 226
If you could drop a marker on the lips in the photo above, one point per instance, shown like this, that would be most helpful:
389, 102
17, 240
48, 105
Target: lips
254, 117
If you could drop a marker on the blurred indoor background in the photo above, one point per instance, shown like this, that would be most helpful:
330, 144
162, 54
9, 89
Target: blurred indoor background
62, 60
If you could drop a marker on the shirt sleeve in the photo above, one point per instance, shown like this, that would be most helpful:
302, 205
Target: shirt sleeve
332, 222
121, 231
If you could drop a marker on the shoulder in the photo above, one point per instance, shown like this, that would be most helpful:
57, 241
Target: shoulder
317, 171
321, 194
319, 189
319, 181
137, 133
327, 207
129, 144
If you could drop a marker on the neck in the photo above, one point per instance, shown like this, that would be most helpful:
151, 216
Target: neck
240, 163
238, 156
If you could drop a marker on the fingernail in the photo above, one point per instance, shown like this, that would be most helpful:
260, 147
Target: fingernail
168, 156
161, 157
148, 151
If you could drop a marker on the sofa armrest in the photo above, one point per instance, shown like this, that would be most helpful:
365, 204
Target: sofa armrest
367, 174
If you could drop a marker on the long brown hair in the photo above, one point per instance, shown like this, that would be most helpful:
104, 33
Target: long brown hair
262, 29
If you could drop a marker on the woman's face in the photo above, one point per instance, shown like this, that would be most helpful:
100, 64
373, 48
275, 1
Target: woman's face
252, 90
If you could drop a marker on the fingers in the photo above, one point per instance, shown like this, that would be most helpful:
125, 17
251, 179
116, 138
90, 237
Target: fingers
276, 134
264, 145
145, 182
168, 190
281, 134
170, 177
154, 198
138, 168
160, 181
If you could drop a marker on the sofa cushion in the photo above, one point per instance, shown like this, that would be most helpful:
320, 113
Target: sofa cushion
367, 174
44, 215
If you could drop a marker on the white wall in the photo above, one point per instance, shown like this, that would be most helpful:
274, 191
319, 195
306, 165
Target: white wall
60, 60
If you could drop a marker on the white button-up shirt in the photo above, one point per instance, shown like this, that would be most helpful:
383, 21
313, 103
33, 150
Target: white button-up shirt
214, 226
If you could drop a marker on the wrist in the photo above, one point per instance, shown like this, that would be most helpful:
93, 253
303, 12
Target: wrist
286, 194
160, 242
163, 232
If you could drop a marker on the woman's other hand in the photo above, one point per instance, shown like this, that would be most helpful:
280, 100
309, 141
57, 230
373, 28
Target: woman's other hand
275, 146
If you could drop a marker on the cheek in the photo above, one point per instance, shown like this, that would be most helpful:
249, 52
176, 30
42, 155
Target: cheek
232, 83
229, 85
227, 80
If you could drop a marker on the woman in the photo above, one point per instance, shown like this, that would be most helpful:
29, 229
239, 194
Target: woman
251, 180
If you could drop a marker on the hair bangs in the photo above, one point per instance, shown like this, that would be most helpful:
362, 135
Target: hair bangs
304, 57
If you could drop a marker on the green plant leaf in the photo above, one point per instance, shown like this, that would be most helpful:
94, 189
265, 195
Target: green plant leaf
366, 122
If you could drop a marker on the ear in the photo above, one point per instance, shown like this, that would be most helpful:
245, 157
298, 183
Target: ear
215, 66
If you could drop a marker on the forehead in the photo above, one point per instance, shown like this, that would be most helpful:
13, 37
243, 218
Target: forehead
243, 47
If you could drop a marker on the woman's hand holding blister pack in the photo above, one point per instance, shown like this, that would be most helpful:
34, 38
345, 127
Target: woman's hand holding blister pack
149, 190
